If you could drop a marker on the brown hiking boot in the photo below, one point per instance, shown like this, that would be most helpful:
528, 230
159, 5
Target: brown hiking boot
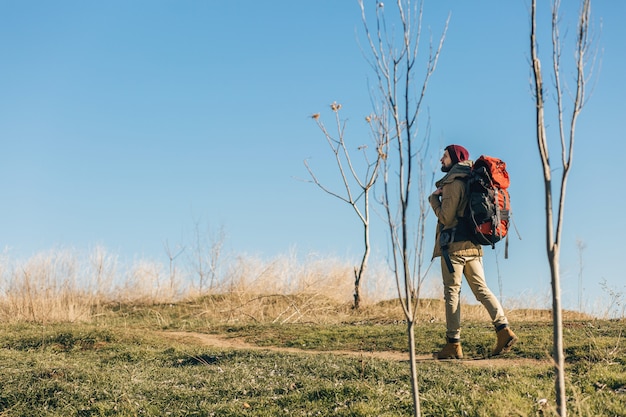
452, 350
506, 339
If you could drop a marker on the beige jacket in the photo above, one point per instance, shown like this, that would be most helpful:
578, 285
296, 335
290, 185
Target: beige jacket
450, 205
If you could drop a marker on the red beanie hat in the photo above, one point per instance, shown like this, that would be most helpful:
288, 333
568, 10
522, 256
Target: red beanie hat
457, 153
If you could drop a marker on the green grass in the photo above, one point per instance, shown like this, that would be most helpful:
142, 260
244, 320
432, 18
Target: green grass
124, 365
75, 343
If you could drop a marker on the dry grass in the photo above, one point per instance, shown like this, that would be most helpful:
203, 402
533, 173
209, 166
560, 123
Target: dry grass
44, 288
65, 286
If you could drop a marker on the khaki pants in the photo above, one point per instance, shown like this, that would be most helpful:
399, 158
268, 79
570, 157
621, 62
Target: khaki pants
472, 268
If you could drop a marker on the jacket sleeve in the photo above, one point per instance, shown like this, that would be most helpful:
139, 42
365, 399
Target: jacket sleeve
446, 206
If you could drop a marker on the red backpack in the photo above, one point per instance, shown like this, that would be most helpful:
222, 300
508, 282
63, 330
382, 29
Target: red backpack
489, 206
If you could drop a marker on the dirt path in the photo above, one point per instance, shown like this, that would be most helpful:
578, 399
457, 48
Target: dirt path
229, 343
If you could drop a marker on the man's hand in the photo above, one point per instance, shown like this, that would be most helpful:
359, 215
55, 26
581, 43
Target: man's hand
438, 191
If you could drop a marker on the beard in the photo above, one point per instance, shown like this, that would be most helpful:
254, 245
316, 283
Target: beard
445, 168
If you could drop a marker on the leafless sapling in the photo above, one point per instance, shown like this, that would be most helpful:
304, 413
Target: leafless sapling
584, 60
399, 99
356, 187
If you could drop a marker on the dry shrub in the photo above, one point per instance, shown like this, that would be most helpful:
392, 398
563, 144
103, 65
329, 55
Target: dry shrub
282, 290
43, 289
289, 275
65, 285
146, 283
272, 308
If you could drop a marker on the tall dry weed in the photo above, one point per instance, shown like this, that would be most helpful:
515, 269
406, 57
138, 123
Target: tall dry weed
67, 285
146, 283
281, 290
44, 288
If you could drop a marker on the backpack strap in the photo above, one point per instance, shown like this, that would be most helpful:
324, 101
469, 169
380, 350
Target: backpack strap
445, 237
446, 257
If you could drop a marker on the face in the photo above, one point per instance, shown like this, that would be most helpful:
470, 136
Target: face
446, 161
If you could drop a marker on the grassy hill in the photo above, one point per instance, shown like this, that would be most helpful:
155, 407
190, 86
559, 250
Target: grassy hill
297, 355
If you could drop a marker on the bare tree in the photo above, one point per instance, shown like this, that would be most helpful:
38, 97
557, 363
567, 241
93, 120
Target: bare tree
399, 100
566, 133
359, 200
206, 256
172, 267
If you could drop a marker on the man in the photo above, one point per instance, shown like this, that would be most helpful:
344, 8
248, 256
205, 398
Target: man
461, 256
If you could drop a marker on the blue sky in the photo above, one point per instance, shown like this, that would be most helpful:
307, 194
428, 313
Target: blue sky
124, 124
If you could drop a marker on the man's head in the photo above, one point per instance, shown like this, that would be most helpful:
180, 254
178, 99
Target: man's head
453, 154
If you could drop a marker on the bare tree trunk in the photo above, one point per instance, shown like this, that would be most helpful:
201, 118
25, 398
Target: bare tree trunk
396, 117
552, 249
360, 271
553, 234
557, 336
414, 383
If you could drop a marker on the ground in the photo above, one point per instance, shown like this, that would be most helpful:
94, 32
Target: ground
231, 343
